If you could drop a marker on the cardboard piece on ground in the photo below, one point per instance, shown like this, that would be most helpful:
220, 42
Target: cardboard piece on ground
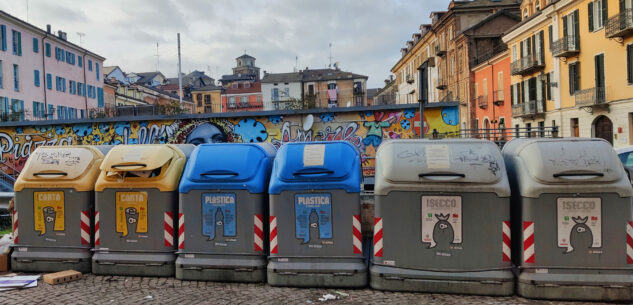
62, 277
4, 261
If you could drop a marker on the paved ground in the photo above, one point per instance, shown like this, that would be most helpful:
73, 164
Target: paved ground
136, 290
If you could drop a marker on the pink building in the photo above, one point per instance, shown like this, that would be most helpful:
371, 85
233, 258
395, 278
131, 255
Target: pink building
44, 76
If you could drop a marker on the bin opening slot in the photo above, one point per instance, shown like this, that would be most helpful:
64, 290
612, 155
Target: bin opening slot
313, 172
50, 174
127, 166
578, 175
442, 176
219, 174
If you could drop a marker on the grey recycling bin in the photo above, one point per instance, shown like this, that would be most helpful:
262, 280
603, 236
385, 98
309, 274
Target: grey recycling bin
136, 199
54, 203
572, 219
442, 218
315, 229
223, 208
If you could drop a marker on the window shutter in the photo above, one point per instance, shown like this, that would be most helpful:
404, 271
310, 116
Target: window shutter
571, 79
551, 36
577, 28
548, 81
590, 11
542, 46
605, 12
521, 47
19, 44
622, 6
629, 63
565, 29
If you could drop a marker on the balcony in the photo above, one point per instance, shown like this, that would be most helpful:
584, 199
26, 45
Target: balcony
620, 25
566, 47
527, 65
440, 50
482, 101
441, 83
528, 109
498, 97
410, 79
592, 97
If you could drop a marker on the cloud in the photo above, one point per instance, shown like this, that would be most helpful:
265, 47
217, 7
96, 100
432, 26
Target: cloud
366, 35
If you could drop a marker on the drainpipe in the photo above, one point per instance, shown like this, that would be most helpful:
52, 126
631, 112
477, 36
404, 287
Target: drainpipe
45, 82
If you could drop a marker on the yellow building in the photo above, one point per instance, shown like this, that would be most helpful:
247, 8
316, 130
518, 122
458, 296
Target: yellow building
573, 68
207, 99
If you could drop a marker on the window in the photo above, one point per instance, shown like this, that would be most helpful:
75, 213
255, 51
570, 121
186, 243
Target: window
89, 65
247, 85
234, 86
80, 62
597, 11
97, 69
83, 113
207, 99
537, 6
49, 114
63, 84
525, 14
571, 29
100, 97
49, 81
3, 37
16, 78
575, 128
599, 71
514, 53
548, 81
500, 86
629, 63
541, 129
36, 45
485, 91
287, 92
36, 78
310, 89
1, 76
199, 99
17, 106
17, 43
275, 94
73, 87
574, 77
47, 48
80, 89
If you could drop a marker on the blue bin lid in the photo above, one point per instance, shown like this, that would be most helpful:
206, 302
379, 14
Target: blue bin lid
316, 165
229, 166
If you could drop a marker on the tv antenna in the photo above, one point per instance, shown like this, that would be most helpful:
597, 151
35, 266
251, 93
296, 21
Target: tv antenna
330, 66
157, 58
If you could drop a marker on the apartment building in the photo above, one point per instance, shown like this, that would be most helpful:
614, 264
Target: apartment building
43, 76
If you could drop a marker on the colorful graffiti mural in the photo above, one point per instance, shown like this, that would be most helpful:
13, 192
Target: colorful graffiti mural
365, 129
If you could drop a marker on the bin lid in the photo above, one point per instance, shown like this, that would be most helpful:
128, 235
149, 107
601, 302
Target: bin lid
446, 165
319, 165
229, 166
124, 158
567, 165
61, 166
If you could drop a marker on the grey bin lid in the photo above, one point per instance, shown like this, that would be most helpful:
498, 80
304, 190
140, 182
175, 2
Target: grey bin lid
455, 165
569, 165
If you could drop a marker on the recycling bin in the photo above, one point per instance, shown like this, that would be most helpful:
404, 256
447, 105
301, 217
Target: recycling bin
572, 219
222, 210
315, 228
136, 199
54, 203
442, 218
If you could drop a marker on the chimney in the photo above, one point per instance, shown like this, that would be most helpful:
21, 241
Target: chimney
59, 33
48, 28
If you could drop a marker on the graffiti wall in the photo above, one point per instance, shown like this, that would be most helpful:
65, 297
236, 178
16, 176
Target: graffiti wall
365, 129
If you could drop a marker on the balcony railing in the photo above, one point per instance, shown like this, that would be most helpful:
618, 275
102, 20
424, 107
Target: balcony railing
498, 97
482, 101
620, 25
566, 46
440, 50
591, 97
527, 109
441, 83
410, 79
527, 64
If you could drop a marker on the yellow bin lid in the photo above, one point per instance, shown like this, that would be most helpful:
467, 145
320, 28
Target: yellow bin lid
156, 166
54, 167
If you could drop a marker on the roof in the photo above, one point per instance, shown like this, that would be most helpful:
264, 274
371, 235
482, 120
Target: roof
231, 77
372, 92
328, 74
492, 17
49, 35
107, 70
254, 88
147, 76
169, 87
246, 56
484, 3
291, 77
208, 88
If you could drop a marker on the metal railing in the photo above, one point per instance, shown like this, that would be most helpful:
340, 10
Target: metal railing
527, 64
620, 25
499, 134
482, 101
529, 108
591, 97
566, 46
409, 78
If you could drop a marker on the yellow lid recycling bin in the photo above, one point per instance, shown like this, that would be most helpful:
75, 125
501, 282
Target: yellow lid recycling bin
54, 209
136, 199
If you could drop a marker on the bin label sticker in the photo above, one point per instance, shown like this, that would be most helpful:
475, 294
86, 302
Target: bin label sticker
131, 212
438, 156
313, 213
579, 223
314, 155
49, 211
218, 215
442, 221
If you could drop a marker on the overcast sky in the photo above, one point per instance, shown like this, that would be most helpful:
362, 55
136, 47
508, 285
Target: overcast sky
366, 35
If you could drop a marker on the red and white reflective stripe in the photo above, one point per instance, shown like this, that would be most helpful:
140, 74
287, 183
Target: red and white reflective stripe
528, 242
378, 237
15, 226
181, 231
629, 242
258, 232
85, 227
97, 240
358, 236
273, 235
506, 241
169, 229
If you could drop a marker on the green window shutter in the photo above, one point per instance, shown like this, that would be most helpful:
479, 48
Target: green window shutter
590, 11
572, 67
605, 12
565, 29
629, 63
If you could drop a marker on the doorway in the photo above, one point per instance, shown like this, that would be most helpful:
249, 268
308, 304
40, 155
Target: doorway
603, 128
